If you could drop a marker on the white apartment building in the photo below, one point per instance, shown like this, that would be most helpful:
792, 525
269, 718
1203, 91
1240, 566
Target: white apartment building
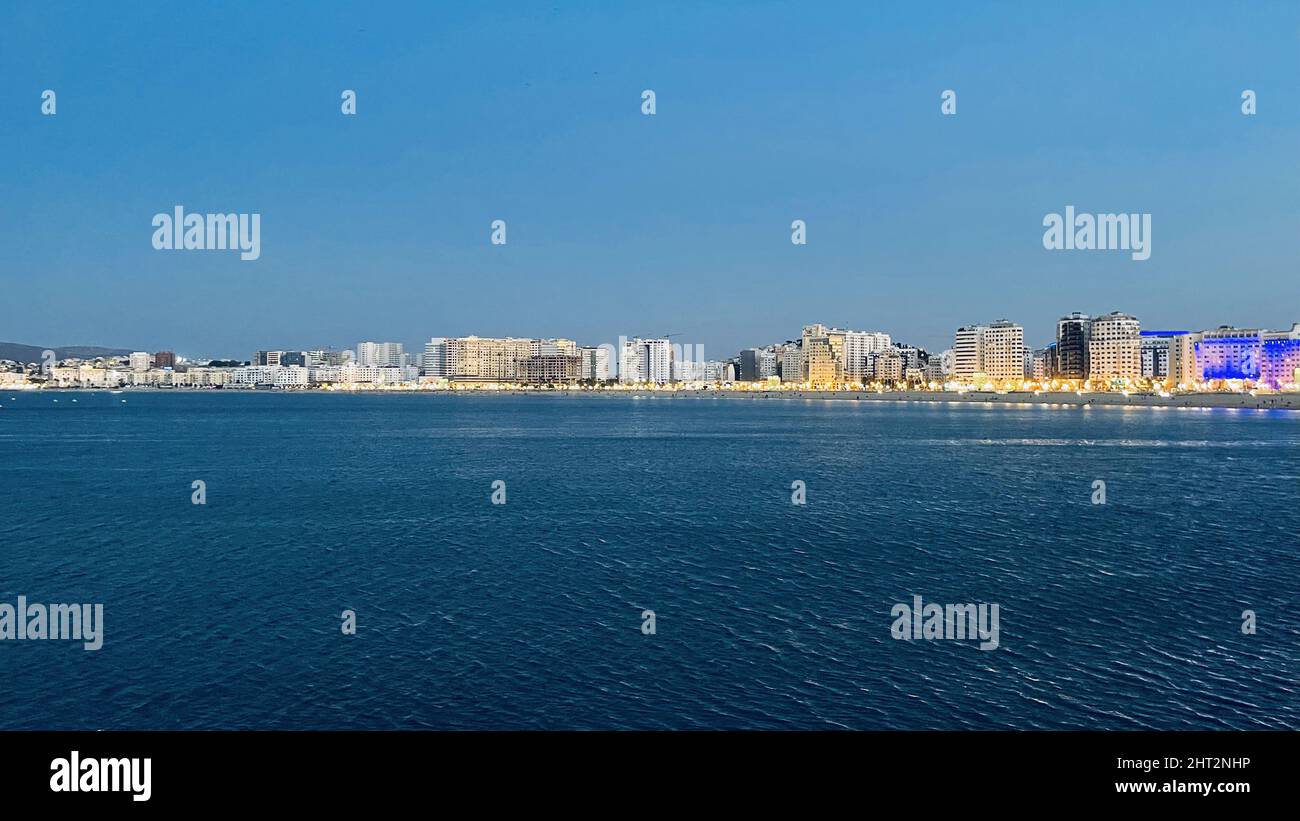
967, 348
434, 361
595, 363
294, 376
1115, 347
645, 360
254, 375
381, 354
858, 348
140, 361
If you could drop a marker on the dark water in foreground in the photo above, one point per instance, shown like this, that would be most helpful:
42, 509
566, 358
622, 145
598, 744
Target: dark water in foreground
1122, 615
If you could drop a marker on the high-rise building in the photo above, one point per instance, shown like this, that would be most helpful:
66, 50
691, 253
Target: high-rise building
758, 364
645, 360
164, 359
595, 363
266, 359
485, 359
1160, 354
789, 363
1271, 358
1003, 355
434, 360
996, 351
823, 355
1280, 358
858, 347
140, 361
381, 354
1115, 349
967, 348
1073, 332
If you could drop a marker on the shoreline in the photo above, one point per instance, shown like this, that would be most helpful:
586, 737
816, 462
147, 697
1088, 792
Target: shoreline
1239, 401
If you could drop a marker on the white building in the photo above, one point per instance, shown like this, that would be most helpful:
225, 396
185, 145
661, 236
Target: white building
140, 361
645, 360
254, 375
595, 363
294, 376
434, 361
381, 354
858, 348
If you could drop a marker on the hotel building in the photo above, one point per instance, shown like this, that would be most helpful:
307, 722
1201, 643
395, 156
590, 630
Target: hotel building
1271, 358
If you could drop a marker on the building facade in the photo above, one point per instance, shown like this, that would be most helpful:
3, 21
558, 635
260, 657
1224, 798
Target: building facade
1115, 349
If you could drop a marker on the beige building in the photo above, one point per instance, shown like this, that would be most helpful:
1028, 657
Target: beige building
823, 355
1115, 348
551, 369
993, 352
485, 359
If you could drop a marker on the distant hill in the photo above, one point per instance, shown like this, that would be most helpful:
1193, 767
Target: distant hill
32, 353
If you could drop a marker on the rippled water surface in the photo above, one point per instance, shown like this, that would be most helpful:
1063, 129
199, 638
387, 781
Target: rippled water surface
769, 615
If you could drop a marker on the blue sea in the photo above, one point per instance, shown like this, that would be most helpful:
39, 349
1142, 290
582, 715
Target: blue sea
528, 614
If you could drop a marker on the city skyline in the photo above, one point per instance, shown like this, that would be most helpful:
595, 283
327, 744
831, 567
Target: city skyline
379, 224
1105, 352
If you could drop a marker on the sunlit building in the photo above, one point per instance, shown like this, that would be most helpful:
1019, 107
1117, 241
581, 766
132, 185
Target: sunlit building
1115, 349
484, 359
823, 355
381, 354
645, 360
595, 363
858, 347
551, 368
996, 351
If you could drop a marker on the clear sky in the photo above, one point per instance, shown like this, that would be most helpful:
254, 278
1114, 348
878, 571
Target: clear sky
377, 226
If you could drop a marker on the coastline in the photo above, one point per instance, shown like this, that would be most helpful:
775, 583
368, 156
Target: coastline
1243, 401
1231, 401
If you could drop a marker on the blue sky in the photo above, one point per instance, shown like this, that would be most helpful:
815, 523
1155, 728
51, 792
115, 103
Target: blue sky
377, 226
